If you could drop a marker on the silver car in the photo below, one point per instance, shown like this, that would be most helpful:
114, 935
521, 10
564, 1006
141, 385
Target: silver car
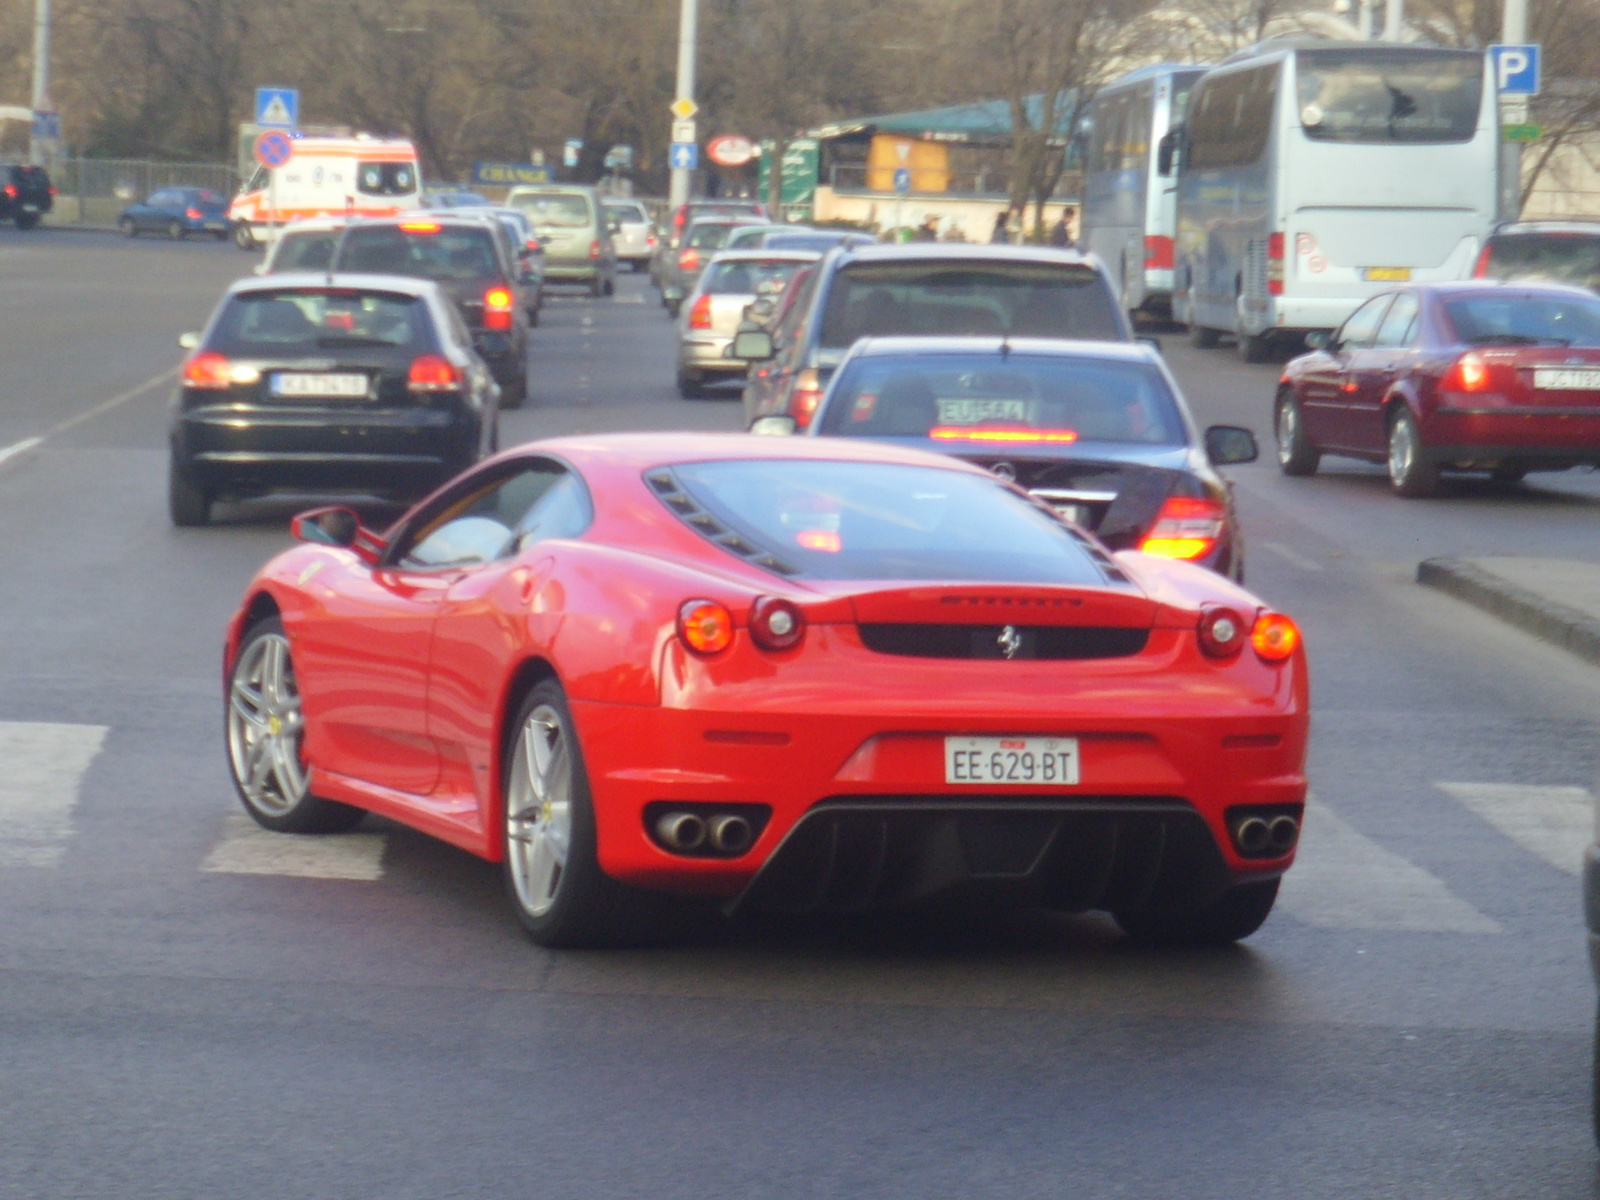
730, 283
681, 271
632, 231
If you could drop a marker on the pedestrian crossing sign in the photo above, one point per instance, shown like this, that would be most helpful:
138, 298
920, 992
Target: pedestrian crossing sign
277, 107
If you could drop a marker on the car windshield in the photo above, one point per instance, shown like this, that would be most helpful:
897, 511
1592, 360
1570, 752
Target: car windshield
803, 241
873, 520
982, 401
563, 210
1399, 95
283, 323
1517, 318
1562, 257
954, 298
305, 250
756, 277
425, 249
386, 178
708, 237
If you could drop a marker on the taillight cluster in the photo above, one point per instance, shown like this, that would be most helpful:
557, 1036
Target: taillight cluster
431, 373
498, 306
1469, 373
805, 397
1187, 527
594, 249
1480, 269
700, 314
688, 258
208, 371
706, 626
194, 214
1275, 264
1222, 633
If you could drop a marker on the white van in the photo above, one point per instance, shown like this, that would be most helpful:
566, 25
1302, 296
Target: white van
356, 176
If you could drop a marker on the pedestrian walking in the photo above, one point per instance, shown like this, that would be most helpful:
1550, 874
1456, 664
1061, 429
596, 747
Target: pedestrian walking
928, 231
1061, 233
1002, 228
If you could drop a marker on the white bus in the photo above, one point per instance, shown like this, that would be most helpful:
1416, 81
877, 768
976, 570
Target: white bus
1313, 173
1129, 213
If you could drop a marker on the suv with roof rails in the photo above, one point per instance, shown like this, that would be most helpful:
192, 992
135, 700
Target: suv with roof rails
1564, 251
921, 288
469, 256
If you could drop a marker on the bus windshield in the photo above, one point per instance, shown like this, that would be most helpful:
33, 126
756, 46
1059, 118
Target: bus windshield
1367, 95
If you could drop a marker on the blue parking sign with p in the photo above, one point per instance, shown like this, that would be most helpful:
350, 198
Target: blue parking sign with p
277, 107
1516, 69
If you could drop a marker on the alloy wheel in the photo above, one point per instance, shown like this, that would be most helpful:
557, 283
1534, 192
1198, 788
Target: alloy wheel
1288, 428
539, 811
265, 727
1402, 450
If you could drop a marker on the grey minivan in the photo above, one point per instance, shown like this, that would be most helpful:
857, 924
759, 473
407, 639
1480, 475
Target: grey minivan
573, 225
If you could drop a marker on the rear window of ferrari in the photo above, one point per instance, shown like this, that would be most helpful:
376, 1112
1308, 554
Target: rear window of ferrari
873, 520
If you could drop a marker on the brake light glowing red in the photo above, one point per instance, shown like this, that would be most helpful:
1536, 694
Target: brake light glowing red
1469, 373
824, 540
208, 371
194, 214
431, 373
11, 189
705, 626
1275, 264
497, 308
1187, 527
1480, 269
688, 259
806, 396
594, 249
985, 433
1274, 636
1159, 252
700, 314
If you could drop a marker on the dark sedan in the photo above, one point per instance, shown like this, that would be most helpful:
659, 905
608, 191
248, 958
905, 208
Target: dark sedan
1099, 432
1471, 376
177, 212
327, 383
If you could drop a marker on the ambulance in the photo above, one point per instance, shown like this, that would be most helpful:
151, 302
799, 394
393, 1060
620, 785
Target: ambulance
358, 176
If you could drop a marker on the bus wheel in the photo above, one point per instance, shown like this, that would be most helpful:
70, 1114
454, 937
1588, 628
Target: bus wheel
1255, 347
1202, 338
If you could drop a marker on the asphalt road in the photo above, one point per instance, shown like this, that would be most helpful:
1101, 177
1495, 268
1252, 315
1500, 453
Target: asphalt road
190, 1009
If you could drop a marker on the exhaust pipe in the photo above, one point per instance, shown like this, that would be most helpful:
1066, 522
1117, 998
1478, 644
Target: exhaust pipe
681, 831
1282, 834
1252, 835
730, 834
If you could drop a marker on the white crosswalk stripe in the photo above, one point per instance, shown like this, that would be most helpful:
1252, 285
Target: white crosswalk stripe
1555, 823
40, 769
1342, 879
248, 849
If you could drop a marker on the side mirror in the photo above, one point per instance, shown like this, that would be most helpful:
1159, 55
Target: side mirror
1227, 444
1321, 339
336, 526
753, 345
776, 426
1144, 339
189, 341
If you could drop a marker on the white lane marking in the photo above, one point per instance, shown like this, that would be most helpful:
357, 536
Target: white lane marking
1293, 557
21, 447
627, 299
40, 768
1343, 879
248, 849
1556, 823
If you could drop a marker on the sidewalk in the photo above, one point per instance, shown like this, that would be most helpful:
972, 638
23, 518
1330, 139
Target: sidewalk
1552, 598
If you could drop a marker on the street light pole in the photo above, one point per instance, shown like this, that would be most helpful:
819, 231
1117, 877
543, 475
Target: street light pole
1513, 111
688, 32
1393, 14
41, 77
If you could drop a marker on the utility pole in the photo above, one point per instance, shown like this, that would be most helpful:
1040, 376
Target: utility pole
41, 78
1513, 111
688, 32
1393, 14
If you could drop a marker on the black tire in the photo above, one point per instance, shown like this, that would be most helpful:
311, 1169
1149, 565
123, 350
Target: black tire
513, 394
1296, 455
533, 317
1411, 473
188, 503
243, 237
1595, 1101
258, 719
27, 220
1255, 347
611, 286
673, 308
1202, 338
690, 385
176, 231
1231, 917
582, 905
597, 287
127, 228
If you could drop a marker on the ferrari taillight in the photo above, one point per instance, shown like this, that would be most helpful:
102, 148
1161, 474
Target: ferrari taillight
700, 314
497, 306
776, 624
208, 371
431, 373
705, 626
1274, 636
1187, 527
1222, 632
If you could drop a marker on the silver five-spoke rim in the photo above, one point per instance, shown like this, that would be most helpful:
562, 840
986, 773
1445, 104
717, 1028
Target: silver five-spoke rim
1402, 450
1286, 431
539, 811
265, 727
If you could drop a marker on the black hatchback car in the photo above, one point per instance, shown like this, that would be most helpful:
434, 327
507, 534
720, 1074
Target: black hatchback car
470, 258
26, 195
1099, 433
327, 383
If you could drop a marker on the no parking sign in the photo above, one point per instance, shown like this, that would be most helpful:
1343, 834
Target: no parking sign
273, 148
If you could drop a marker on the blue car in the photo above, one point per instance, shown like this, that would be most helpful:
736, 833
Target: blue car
177, 212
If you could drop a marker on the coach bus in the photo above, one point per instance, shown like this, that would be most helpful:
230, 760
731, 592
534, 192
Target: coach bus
1129, 215
1312, 173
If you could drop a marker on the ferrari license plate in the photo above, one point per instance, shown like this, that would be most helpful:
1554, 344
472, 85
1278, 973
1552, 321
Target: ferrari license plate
342, 387
1567, 379
1387, 274
1035, 761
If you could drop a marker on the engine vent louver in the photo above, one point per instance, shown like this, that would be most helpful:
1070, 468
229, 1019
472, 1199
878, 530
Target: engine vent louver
697, 518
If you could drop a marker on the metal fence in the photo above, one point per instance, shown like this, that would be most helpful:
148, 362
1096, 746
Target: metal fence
92, 191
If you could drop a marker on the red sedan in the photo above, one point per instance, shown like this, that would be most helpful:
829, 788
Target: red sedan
792, 673
1472, 376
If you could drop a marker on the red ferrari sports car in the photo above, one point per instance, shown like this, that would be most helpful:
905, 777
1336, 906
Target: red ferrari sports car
785, 672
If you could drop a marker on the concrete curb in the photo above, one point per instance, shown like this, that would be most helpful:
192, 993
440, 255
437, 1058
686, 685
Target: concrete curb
1571, 629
